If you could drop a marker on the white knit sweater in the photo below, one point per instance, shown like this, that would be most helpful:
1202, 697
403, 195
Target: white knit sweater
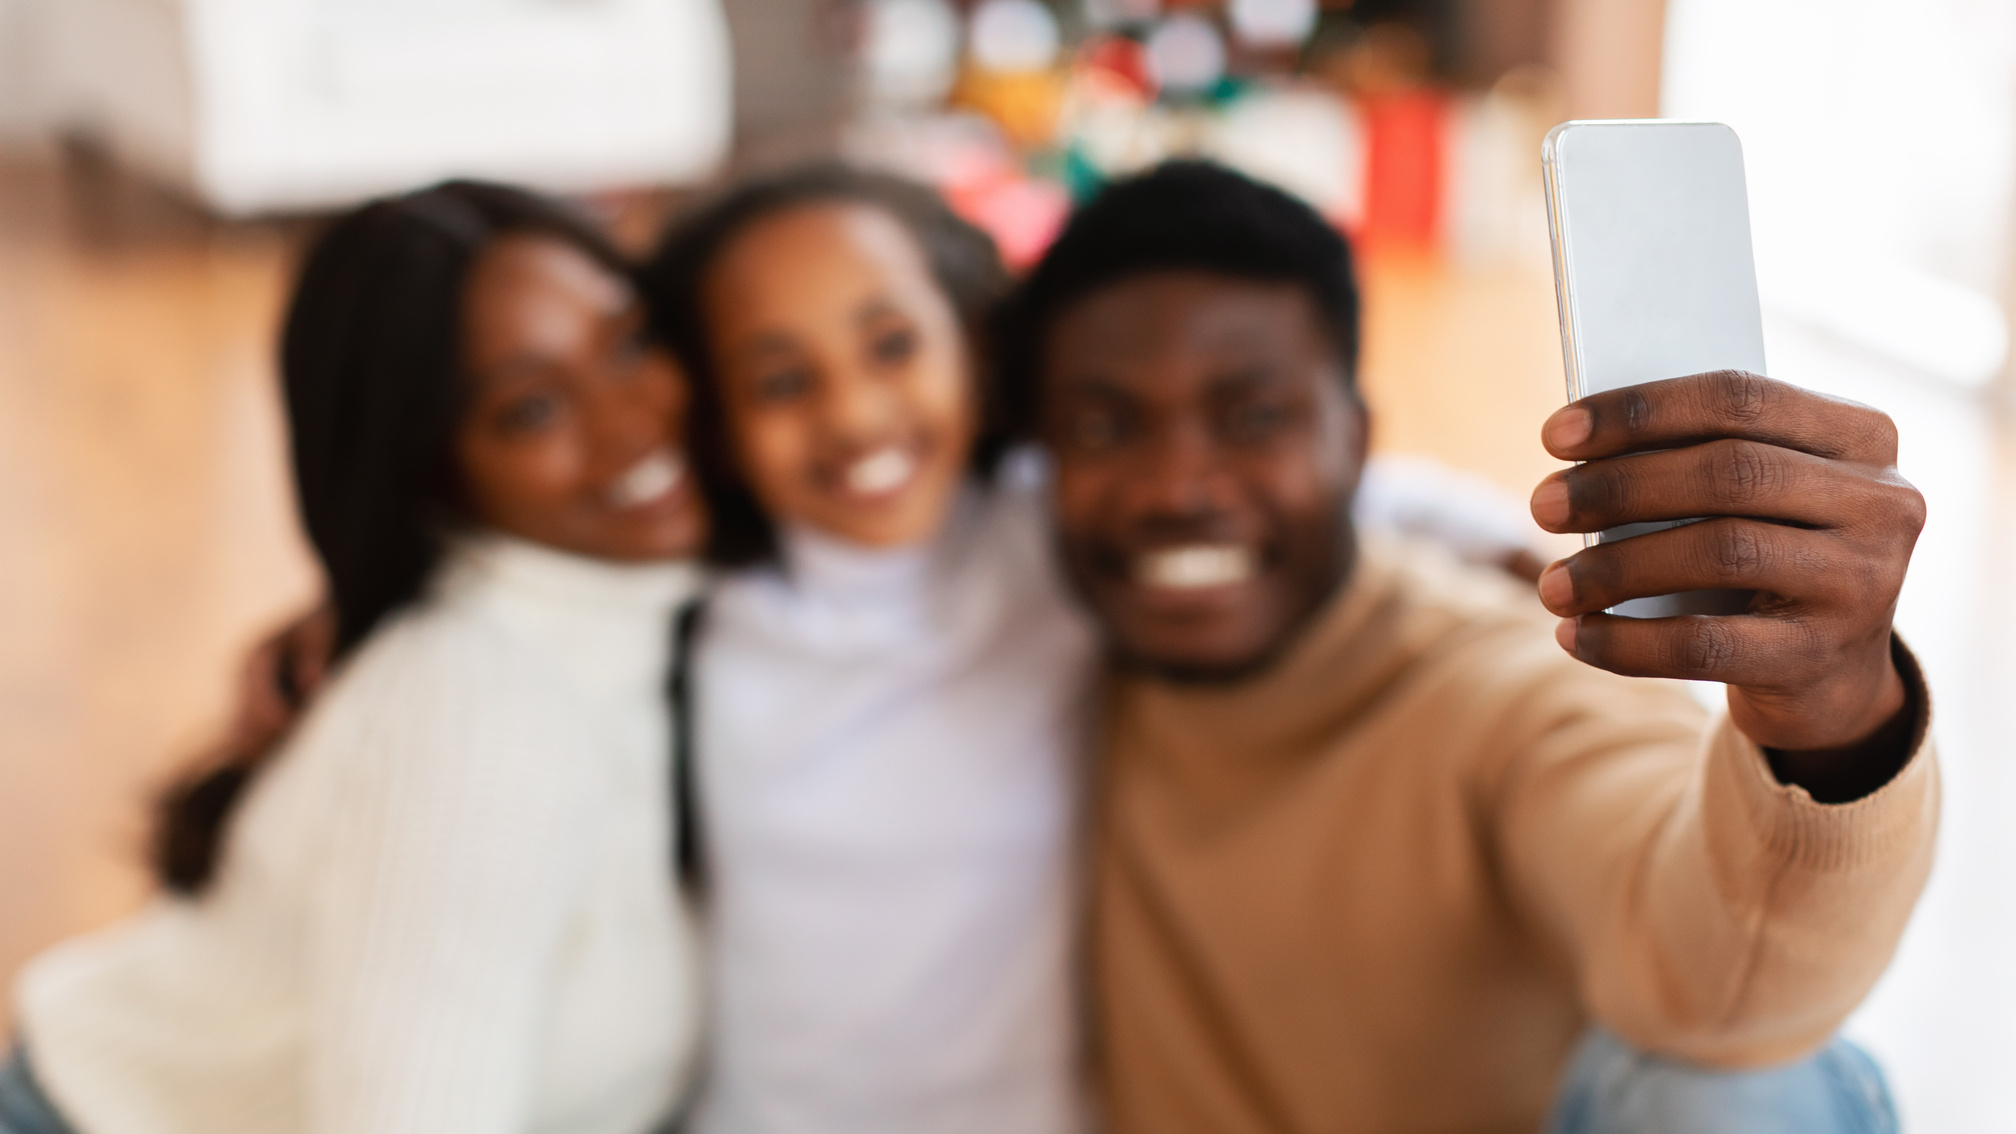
447, 907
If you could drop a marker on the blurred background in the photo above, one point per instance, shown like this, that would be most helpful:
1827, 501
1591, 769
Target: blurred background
160, 161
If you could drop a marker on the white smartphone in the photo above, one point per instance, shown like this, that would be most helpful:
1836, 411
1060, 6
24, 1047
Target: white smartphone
1653, 275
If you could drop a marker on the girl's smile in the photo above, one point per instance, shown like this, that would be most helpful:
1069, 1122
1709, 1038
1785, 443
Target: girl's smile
882, 473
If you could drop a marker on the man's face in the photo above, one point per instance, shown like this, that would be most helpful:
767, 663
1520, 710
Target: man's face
1206, 449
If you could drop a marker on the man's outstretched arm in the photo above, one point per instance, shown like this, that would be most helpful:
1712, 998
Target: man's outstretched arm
1727, 898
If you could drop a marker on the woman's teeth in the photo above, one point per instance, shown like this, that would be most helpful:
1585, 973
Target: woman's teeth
1194, 567
879, 472
652, 478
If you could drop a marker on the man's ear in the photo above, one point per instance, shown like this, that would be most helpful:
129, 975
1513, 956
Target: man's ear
1357, 435
1361, 431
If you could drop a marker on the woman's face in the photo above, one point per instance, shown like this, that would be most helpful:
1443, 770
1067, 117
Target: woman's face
844, 371
570, 438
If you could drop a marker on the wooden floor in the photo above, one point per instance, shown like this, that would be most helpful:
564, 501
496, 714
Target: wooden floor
145, 529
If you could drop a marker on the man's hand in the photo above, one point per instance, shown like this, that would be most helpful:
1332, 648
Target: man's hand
1807, 511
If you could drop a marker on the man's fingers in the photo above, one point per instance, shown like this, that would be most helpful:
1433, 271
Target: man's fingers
1723, 403
1717, 554
1745, 650
1719, 478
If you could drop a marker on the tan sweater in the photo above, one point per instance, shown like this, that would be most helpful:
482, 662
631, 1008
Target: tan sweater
1385, 884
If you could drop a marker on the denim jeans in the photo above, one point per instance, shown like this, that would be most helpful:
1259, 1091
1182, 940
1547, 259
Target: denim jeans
1613, 1089
24, 1109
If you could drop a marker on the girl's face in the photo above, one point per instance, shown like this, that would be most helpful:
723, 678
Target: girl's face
844, 372
570, 434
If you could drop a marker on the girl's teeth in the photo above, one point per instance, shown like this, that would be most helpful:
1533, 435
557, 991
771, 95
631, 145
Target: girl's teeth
1194, 567
653, 477
879, 472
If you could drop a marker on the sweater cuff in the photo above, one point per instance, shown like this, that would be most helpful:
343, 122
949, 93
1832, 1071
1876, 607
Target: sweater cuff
1788, 824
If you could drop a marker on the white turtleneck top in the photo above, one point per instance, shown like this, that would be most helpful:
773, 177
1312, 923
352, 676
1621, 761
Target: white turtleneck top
888, 751
448, 905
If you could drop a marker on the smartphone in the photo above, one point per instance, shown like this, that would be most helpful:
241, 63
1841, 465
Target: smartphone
1653, 276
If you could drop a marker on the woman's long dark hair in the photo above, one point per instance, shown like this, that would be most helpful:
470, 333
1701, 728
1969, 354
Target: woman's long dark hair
963, 259
371, 362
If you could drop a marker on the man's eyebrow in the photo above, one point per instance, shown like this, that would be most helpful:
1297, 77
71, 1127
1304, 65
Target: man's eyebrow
1092, 383
1248, 373
1241, 334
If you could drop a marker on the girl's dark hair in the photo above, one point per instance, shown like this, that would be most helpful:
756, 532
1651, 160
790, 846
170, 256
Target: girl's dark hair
963, 259
371, 364
1181, 215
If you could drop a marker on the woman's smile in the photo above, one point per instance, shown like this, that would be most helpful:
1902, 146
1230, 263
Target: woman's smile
650, 481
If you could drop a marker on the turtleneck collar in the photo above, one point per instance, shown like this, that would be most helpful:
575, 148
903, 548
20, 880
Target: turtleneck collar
492, 561
839, 598
822, 564
563, 576
608, 623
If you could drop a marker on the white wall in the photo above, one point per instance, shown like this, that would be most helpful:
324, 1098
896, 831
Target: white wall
1880, 141
18, 117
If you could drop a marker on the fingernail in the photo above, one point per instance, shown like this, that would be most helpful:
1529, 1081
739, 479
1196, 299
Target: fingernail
1567, 429
1550, 504
1564, 633
1557, 589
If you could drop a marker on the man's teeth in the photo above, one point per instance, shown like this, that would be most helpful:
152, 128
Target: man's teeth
1194, 567
653, 477
879, 471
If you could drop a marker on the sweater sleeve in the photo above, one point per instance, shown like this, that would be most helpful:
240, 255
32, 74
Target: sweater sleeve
457, 847
1711, 913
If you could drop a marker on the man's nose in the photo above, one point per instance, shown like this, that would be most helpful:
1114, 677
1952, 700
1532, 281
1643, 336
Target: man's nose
1181, 473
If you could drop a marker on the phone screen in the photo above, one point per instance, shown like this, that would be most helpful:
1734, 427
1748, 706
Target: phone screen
1653, 273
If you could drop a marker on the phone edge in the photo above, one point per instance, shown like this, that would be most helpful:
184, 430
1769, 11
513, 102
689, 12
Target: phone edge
1557, 246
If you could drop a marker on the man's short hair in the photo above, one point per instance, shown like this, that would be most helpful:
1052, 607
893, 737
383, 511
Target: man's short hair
1179, 216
